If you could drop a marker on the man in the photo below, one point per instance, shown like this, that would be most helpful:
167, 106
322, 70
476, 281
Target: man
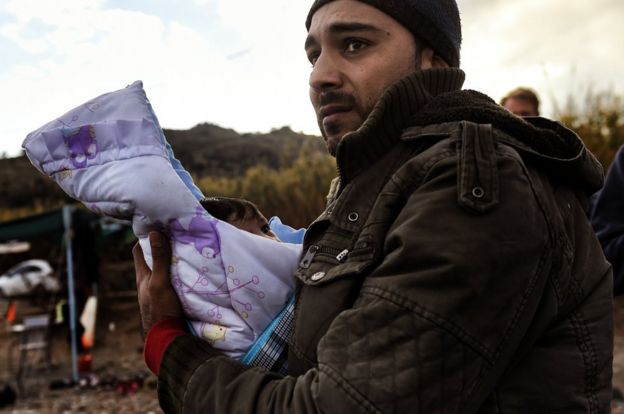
608, 219
522, 102
454, 268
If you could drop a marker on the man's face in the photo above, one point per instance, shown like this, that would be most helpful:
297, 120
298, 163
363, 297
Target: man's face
356, 52
520, 107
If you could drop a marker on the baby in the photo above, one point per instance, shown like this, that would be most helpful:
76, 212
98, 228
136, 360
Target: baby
111, 154
242, 214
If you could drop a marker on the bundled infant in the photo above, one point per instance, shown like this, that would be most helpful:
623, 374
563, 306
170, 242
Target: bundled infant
232, 275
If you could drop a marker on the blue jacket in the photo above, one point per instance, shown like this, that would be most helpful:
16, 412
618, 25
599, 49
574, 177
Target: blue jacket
608, 219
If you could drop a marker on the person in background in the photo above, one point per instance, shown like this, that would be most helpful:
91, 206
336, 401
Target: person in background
522, 102
608, 219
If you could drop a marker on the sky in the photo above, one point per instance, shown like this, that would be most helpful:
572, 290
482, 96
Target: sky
240, 64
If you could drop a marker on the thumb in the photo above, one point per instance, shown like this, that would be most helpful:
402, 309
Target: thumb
161, 256
140, 267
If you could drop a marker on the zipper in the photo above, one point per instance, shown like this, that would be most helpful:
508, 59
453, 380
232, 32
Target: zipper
307, 258
328, 251
337, 254
342, 255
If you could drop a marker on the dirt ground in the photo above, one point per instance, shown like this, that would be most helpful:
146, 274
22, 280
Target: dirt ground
119, 381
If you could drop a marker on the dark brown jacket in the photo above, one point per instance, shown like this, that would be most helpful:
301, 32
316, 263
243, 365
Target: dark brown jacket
453, 271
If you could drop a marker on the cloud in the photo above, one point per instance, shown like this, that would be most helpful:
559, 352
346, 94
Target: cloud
556, 46
88, 50
276, 72
248, 71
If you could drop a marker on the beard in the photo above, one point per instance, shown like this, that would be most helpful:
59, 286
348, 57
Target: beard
333, 133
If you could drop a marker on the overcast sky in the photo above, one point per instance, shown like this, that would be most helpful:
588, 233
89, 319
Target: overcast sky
240, 63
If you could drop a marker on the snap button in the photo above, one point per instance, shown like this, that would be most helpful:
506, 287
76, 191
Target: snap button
478, 192
317, 276
353, 217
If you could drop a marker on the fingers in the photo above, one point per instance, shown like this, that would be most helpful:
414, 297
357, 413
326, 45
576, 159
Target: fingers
140, 267
161, 254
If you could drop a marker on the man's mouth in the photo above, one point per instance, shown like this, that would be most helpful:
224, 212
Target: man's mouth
332, 111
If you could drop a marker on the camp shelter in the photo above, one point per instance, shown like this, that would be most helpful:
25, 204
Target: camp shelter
62, 228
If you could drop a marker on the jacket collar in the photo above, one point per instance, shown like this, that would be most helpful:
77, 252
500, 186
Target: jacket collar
548, 143
390, 116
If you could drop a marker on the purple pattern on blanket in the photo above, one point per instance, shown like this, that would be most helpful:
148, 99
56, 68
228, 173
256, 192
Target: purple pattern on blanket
81, 143
202, 233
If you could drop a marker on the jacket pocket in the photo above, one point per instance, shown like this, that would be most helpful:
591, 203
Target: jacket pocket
330, 278
323, 263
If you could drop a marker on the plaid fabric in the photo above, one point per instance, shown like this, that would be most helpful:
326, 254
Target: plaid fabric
271, 349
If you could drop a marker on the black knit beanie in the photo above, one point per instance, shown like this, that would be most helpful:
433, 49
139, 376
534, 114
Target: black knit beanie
434, 21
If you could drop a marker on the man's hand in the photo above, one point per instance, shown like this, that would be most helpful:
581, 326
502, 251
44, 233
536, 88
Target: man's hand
157, 299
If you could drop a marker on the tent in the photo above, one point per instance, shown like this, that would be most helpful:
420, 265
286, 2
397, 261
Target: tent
59, 224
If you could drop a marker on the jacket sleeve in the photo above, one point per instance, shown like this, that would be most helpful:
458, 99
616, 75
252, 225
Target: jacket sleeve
436, 322
608, 220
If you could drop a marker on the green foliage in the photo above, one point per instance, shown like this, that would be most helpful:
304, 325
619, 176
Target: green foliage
296, 193
599, 120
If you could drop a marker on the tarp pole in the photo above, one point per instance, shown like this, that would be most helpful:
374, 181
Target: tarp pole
67, 222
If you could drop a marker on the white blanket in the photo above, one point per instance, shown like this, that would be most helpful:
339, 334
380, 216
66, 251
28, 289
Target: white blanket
110, 154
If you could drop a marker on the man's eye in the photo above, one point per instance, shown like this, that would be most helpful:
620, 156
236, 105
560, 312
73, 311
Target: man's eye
266, 229
354, 45
313, 58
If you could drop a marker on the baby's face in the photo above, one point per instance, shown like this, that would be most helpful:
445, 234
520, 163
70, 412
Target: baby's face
256, 224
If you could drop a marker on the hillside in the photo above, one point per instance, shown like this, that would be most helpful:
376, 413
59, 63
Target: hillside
209, 150
205, 150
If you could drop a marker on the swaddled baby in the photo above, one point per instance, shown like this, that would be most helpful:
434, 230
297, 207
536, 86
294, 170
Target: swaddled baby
111, 154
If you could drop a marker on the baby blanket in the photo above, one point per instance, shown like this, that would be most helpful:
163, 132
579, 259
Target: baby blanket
111, 154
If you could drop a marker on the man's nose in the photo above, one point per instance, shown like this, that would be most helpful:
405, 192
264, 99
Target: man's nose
325, 74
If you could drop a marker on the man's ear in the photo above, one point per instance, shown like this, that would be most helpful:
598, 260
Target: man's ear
438, 62
429, 60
